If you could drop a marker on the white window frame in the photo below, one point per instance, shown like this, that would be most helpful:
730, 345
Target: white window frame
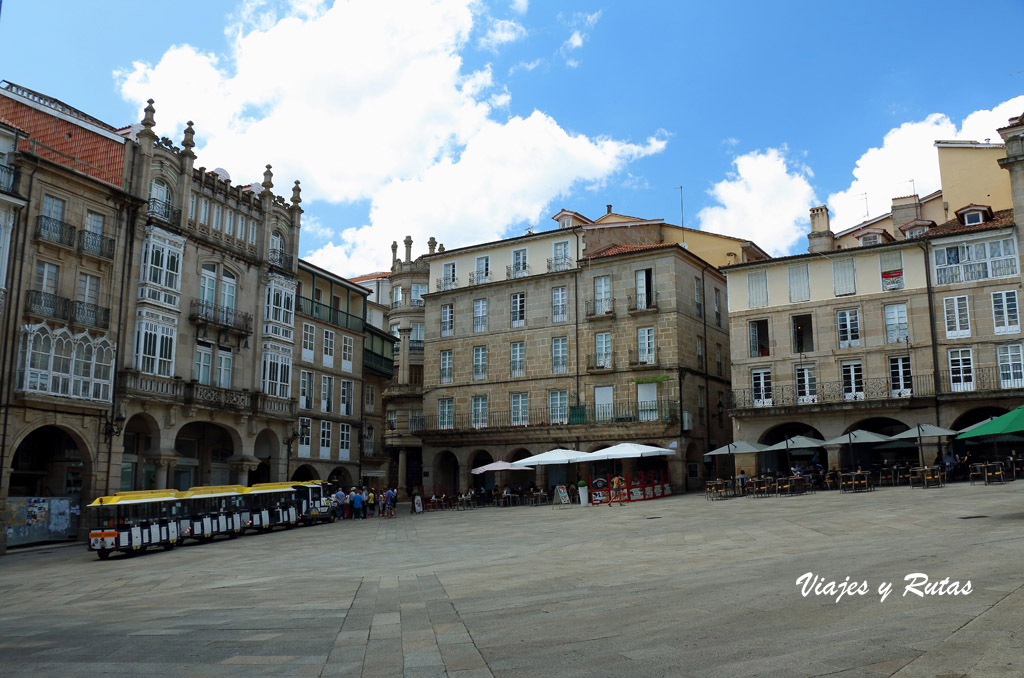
558, 407
203, 369
478, 411
901, 378
156, 338
519, 408
346, 401
348, 347
852, 373
761, 387
1011, 366
446, 366
806, 384
327, 354
603, 350
445, 413
848, 327
957, 316
559, 355
897, 330
479, 363
1005, 312
479, 315
344, 441
961, 369
517, 359
306, 378
517, 309
326, 429
305, 433
326, 394
447, 320
559, 304
308, 342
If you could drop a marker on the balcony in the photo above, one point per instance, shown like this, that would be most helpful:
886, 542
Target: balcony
559, 314
378, 363
560, 366
479, 277
164, 211
396, 348
8, 180
415, 346
55, 231
515, 271
600, 361
208, 313
269, 406
830, 392
447, 328
417, 302
447, 283
333, 316
280, 259
645, 357
150, 387
600, 308
633, 413
480, 323
51, 306
95, 244
638, 303
397, 303
517, 368
982, 380
559, 264
213, 397
446, 375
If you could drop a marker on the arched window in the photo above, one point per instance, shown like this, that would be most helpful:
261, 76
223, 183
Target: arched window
227, 289
160, 199
40, 347
82, 387
208, 284
63, 351
102, 370
276, 242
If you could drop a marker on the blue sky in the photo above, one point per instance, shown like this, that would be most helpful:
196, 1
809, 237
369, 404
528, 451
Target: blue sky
469, 120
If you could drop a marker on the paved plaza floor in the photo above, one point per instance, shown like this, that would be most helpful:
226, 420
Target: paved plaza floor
672, 587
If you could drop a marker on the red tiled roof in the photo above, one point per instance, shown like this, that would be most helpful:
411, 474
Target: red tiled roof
613, 249
999, 218
6, 121
370, 276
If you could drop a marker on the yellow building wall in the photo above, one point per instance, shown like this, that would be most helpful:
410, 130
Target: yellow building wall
713, 248
973, 175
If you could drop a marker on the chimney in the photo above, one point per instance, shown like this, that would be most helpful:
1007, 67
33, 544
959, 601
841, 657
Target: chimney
408, 249
609, 207
1013, 137
431, 245
905, 210
820, 239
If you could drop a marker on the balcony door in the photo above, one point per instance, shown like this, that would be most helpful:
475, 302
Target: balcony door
647, 401
602, 403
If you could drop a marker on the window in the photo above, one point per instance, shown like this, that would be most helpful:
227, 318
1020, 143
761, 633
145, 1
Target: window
280, 300
225, 361
848, 328
702, 402
46, 277
958, 323
395, 332
645, 347
915, 232
347, 400
560, 260
305, 433
58, 364
344, 441
517, 359
204, 364
558, 407
275, 376
757, 289
306, 390
870, 239
1004, 312
603, 350
853, 380
891, 264
347, 351
155, 336
718, 359
644, 298
204, 211
900, 379
479, 362
1011, 366
806, 385
559, 355
975, 261
447, 320
803, 334
325, 439
88, 289
759, 343
252, 230
698, 297
647, 401
94, 223
308, 341
418, 291
445, 413
326, 394
602, 295
369, 397
229, 223
559, 306
392, 418
700, 353
518, 309
973, 218
328, 353
446, 367
396, 295
520, 405
961, 369
478, 411
896, 328
519, 267
448, 278
482, 270
217, 217
603, 398
192, 207
161, 266
480, 315
844, 276
799, 283
761, 387
416, 335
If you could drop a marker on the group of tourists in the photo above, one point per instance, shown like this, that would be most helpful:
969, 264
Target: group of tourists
362, 503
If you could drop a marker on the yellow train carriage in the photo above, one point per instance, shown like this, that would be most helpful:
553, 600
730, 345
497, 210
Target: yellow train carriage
133, 521
215, 509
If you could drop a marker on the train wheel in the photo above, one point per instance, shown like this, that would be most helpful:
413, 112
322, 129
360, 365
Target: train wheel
332, 517
103, 554
232, 535
168, 546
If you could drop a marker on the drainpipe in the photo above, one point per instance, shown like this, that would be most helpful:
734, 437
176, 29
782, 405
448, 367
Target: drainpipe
704, 365
936, 381
576, 314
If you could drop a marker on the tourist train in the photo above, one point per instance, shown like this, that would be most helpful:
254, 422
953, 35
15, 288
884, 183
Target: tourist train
134, 521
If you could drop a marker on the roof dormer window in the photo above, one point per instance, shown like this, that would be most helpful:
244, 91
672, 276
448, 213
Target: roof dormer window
915, 232
973, 218
870, 239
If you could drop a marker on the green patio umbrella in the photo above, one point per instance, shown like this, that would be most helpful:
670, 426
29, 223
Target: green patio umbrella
1011, 422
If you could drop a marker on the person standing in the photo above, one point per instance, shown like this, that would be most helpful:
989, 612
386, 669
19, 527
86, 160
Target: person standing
365, 502
341, 497
357, 504
371, 502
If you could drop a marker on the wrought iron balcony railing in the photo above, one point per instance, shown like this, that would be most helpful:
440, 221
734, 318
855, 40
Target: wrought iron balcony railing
600, 308
559, 264
479, 277
164, 211
447, 283
558, 313
642, 302
206, 312
601, 361
55, 231
632, 413
446, 375
8, 180
480, 324
416, 346
95, 244
643, 357
334, 316
89, 314
447, 328
59, 308
280, 259
513, 271
873, 389
517, 368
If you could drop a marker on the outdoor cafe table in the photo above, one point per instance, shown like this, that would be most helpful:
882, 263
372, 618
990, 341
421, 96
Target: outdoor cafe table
925, 476
761, 487
989, 472
886, 475
1015, 466
793, 485
854, 482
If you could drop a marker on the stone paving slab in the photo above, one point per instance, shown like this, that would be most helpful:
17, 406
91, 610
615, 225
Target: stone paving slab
673, 587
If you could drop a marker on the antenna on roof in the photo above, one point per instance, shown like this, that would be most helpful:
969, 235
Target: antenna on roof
865, 196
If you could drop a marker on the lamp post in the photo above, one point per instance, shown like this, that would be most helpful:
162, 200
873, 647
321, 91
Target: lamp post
112, 428
301, 432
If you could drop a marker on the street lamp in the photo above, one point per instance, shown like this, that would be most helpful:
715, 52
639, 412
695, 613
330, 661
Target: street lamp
721, 411
112, 428
301, 432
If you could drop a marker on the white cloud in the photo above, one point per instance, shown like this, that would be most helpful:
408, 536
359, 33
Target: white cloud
908, 152
525, 66
580, 23
501, 32
766, 199
312, 226
574, 41
370, 101
520, 6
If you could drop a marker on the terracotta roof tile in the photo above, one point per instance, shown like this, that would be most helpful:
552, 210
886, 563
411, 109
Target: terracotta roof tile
370, 276
612, 250
999, 218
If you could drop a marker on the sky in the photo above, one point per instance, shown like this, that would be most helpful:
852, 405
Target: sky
473, 120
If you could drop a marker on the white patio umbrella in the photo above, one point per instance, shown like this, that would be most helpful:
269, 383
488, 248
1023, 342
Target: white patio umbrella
629, 451
922, 431
852, 438
499, 466
556, 456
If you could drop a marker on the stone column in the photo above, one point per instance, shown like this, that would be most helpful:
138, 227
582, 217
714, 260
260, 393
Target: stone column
164, 460
402, 468
403, 355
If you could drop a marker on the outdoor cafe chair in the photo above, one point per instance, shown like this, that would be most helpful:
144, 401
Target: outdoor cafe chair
886, 475
977, 473
994, 473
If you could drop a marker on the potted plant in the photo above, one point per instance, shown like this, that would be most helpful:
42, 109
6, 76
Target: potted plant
584, 492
